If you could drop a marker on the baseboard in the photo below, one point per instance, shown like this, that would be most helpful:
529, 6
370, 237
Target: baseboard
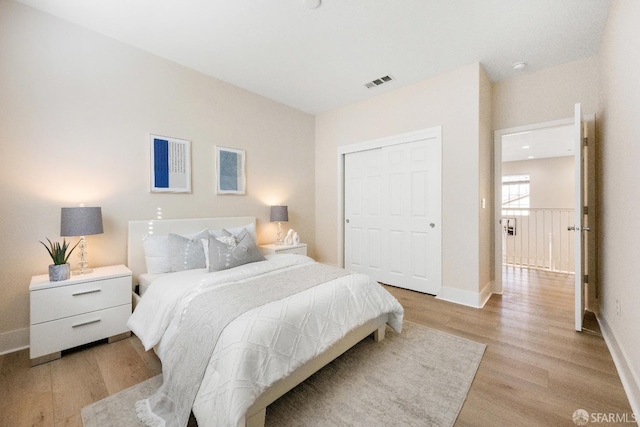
630, 379
486, 292
468, 298
14, 340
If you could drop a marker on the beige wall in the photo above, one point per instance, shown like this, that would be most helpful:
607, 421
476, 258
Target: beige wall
452, 101
485, 184
552, 180
546, 95
76, 111
619, 233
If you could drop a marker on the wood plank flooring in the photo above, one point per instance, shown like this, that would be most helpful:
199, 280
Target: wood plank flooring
536, 370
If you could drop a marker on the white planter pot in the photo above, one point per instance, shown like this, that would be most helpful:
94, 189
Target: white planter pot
59, 272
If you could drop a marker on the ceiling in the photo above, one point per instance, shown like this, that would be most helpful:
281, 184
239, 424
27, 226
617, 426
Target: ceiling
555, 141
317, 59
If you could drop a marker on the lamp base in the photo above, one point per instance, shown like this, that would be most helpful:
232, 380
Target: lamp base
84, 271
279, 239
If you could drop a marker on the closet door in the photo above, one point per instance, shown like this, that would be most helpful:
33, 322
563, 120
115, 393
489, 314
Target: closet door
363, 217
392, 214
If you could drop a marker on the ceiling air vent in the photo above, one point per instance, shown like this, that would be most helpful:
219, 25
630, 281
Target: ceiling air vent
377, 82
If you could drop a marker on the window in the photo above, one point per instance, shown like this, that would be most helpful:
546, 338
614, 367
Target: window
515, 194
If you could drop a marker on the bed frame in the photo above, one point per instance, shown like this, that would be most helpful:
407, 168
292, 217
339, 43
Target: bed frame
255, 416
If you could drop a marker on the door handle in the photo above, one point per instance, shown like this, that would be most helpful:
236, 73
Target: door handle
572, 228
586, 229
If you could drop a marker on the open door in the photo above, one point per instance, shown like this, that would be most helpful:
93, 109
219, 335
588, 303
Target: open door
580, 209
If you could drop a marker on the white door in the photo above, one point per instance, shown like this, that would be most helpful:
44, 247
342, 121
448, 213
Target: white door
363, 223
579, 227
393, 214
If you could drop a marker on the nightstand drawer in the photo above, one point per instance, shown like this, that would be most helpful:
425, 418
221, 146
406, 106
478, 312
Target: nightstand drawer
51, 337
298, 248
66, 301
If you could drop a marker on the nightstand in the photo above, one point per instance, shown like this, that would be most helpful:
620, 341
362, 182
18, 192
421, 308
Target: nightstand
80, 310
300, 249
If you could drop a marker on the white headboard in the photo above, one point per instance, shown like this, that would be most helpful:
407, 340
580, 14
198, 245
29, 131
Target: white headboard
138, 229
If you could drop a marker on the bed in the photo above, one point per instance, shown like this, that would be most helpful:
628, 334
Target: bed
265, 351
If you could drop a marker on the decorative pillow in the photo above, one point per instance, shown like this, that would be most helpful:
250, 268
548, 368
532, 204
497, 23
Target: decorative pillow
224, 237
223, 256
251, 228
156, 251
186, 253
228, 240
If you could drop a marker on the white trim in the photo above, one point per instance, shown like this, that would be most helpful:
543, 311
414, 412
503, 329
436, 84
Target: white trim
468, 298
430, 133
419, 135
629, 377
15, 340
497, 187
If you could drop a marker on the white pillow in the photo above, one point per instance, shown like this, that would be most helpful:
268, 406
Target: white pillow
156, 252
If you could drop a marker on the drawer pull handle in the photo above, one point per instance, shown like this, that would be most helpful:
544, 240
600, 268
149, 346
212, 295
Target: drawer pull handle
92, 291
85, 323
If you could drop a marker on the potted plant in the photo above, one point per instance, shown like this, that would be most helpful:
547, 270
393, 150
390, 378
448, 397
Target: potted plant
60, 269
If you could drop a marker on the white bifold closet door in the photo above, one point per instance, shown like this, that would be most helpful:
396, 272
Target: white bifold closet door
392, 211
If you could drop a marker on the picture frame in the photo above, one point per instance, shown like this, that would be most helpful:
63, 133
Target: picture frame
230, 171
170, 164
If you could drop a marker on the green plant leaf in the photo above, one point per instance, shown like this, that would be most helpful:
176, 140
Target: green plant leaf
58, 252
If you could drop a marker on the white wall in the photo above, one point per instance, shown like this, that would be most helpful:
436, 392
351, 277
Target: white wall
452, 101
76, 111
619, 193
551, 180
547, 95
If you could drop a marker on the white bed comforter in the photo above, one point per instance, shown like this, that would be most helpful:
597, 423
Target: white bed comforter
264, 344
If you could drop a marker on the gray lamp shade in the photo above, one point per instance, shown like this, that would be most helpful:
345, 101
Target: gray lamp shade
279, 214
80, 221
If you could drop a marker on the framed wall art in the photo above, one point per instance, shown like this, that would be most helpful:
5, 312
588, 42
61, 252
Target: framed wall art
170, 165
230, 170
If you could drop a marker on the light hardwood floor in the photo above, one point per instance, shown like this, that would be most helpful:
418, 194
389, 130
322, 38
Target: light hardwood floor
536, 370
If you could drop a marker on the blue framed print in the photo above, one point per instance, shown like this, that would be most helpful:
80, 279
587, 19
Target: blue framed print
170, 165
230, 166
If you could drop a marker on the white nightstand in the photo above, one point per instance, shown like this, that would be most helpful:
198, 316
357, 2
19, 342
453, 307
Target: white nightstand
300, 248
80, 310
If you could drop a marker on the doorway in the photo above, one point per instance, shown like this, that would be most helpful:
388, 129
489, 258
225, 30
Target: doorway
510, 230
583, 215
538, 199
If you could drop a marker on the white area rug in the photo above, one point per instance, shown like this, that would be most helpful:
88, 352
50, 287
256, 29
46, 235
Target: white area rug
418, 378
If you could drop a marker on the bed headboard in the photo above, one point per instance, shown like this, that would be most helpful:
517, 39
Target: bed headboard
138, 229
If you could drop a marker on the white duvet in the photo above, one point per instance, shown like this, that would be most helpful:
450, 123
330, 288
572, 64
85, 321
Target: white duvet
265, 344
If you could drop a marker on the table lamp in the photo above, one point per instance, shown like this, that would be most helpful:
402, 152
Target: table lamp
279, 214
81, 221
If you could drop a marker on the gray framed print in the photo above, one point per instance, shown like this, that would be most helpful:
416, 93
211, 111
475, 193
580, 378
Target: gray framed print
170, 165
231, 174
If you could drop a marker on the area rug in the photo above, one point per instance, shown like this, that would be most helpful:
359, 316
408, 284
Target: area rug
420, 377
